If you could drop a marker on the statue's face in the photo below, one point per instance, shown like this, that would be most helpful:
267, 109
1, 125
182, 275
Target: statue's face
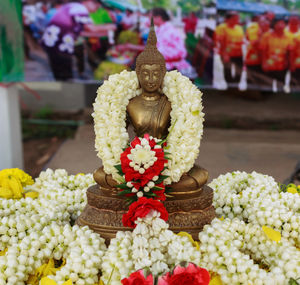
150, 77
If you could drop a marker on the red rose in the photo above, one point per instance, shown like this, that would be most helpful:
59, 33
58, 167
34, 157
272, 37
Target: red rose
138, 278
133, 175
190, 275
141, 208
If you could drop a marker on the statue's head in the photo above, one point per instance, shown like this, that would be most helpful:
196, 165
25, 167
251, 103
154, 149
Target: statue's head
150, 65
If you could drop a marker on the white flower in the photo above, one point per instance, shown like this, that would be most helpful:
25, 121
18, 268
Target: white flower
142, 248
67, 44
50, 35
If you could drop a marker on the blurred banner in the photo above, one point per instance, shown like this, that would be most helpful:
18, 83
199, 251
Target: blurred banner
11, 41
246, 45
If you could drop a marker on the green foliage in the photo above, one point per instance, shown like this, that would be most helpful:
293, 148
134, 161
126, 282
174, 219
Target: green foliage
44, 113
293, 281
33, 131
150, 4
190, 5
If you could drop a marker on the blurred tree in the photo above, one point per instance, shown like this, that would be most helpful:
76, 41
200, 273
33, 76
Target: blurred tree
149, 4
190, 5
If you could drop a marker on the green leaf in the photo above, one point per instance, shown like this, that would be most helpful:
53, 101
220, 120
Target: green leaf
150, 194
124, 192
161, 142
122, 186
119, 168
130, 200
293, 281
155, 188
161, 179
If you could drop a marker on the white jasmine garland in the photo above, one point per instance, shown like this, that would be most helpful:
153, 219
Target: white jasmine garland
186, 121
35, 230
69, 190
236, 250
151, 245
256, 198
82, 249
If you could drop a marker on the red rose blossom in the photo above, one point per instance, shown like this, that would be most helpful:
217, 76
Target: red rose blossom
141, 208
155, 170
190, 275
138, 278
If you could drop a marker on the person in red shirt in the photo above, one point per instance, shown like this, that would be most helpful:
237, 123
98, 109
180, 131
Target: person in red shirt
293, 31
230, 37
253, 59
190, 23
275, 47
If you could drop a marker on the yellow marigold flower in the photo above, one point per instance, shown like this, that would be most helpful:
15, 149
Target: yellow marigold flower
215, 279
6, 193
43, 271
272, 234
194, 243
2, 252
292, 190
222, 218
24, 178
12, 181
32, 194
10, 187
48, 281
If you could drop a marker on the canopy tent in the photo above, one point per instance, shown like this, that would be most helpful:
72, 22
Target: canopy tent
121, 4
251, 7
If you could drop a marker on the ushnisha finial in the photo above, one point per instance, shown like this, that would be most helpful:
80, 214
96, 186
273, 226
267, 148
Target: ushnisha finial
151, 55
152, 40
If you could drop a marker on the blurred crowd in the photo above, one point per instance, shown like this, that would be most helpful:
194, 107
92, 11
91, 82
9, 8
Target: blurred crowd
267, 48
87, 34
108, 38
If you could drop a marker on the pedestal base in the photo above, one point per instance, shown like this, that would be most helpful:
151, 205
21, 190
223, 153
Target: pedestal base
105, 209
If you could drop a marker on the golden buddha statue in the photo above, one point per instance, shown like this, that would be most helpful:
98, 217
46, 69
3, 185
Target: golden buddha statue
190, 205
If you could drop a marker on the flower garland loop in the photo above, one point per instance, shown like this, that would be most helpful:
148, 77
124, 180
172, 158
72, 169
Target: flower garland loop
186, 121
256, 198
238, 252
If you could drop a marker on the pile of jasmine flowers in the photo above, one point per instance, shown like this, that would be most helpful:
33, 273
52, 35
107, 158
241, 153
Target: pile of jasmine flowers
254, 240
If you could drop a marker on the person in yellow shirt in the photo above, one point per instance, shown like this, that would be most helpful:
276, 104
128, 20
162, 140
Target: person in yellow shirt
275, 47
229, 37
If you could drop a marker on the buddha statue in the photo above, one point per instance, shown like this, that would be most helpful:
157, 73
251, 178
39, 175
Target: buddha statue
149, 113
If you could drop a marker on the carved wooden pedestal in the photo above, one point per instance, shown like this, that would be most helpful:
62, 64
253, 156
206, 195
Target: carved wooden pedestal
188, 213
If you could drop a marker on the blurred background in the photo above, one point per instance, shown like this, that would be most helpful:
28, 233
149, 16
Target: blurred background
243, 55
